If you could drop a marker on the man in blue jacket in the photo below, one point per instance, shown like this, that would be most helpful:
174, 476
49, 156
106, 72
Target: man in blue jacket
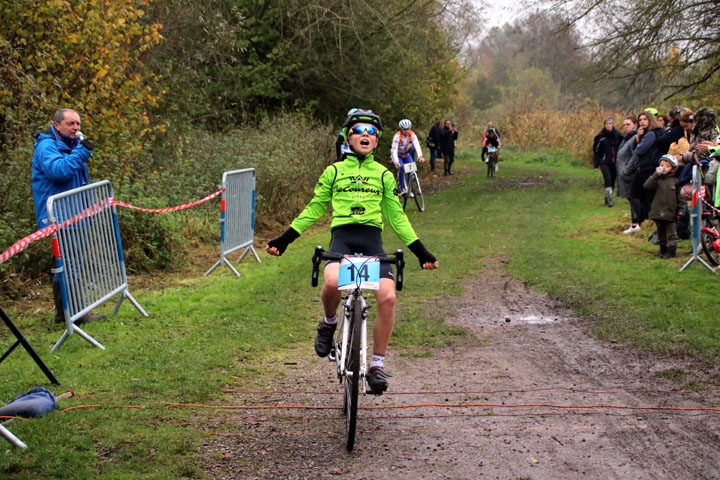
59, 164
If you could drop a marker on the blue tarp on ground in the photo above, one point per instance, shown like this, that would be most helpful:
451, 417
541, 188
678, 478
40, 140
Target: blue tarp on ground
34, 403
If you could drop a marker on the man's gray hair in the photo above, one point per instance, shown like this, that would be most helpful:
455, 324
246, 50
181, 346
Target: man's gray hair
60, 114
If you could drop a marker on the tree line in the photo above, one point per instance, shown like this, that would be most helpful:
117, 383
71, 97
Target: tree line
151, 78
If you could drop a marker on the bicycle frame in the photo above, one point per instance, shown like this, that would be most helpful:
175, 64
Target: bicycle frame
341, 360
348, 302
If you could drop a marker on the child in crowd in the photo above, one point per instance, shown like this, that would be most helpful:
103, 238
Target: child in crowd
667, 205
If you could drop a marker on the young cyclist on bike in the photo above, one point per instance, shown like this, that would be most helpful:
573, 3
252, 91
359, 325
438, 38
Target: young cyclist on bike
360, 190
484, 140
404, 145
492, 139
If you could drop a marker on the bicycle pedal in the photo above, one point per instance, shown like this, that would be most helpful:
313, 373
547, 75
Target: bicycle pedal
331, 355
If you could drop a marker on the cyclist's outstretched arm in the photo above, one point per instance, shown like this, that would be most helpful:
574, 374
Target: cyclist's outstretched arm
416, 146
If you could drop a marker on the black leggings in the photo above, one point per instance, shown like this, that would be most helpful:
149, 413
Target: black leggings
640, 199
609, 173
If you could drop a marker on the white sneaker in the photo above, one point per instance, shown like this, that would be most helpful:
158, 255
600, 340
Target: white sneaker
631, 229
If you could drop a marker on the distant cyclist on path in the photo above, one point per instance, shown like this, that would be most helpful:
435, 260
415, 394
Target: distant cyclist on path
404, 145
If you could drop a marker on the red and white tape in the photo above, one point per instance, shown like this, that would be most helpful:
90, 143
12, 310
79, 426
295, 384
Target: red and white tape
21, 245
171, 209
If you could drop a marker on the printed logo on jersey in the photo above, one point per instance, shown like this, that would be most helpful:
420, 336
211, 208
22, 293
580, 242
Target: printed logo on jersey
357, 211
359, 179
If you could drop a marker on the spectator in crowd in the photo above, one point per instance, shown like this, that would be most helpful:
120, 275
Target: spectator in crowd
669, 134
667, 206
448, 135
626, 149
706, 141
433, 143
605, 147
663, 121
59, 164
641, 169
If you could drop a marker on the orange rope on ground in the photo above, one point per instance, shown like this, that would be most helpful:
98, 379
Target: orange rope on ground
421, 405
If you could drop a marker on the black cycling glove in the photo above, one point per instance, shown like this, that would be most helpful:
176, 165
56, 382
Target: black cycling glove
282, 242
421, 253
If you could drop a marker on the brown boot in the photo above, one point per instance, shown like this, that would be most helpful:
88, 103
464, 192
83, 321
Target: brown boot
662, 252
670, 253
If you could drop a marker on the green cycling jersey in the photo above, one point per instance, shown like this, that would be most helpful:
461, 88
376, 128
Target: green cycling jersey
361, 192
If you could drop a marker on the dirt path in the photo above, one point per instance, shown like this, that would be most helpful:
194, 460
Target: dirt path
523, 349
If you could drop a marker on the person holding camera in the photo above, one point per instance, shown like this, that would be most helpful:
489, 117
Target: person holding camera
59, 164
448, 135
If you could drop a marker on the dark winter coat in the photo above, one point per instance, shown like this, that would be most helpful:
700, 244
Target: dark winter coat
644, 151
447, 140
666, 204
434, 137
605, 147
667, 138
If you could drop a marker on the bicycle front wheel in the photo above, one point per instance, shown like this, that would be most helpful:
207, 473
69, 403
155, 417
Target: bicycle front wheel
352, 374
414, 187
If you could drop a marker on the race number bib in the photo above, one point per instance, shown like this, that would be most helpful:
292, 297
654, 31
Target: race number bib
359, 271
410, 167
491, 149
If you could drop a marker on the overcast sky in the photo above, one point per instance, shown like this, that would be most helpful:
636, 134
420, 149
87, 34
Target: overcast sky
503, 11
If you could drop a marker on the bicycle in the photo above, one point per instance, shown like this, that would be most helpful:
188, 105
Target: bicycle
492, 161
710, 239
412, 186
349, 350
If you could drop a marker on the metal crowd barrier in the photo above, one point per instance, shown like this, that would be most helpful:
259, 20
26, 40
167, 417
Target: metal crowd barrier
88, 254
8, 435
237, 216
697, 220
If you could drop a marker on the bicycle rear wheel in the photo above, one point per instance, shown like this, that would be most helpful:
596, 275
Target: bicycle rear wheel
414, 187
352, 374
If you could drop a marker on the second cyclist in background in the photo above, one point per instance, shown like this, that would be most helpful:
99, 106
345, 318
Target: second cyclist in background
404, 146
484, 139
492, 139
341, 145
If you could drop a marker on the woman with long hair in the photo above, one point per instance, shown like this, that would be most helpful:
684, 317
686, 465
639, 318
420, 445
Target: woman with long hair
645, 140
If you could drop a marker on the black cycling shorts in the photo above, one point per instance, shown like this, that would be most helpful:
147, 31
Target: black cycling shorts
362, 240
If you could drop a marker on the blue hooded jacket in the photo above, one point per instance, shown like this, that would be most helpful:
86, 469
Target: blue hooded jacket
56, 168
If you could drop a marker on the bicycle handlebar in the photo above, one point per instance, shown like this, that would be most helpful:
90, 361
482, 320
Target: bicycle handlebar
397, 259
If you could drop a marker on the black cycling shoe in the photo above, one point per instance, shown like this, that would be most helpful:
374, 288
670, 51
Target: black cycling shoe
324, 339
377, 378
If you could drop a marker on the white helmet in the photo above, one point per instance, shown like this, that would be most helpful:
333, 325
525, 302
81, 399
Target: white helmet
405, 124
